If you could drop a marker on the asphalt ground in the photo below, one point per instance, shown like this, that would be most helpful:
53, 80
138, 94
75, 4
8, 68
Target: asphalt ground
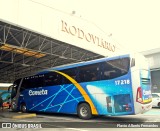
6, 113
48, 121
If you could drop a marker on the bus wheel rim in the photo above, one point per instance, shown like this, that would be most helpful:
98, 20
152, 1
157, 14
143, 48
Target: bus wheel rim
84, 111
24, 108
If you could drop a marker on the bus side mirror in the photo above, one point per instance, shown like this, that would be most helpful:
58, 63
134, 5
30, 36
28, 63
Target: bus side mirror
10, 88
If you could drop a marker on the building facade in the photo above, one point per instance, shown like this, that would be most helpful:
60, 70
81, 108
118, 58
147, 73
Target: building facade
153, 57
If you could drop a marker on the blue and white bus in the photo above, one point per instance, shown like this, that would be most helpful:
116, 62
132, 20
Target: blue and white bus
117, 85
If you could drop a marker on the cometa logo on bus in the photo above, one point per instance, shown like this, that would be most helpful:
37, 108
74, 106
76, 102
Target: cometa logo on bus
36, 93
146, 92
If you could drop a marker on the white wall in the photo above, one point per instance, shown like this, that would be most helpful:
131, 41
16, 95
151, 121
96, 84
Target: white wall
58, 25
154, 60
5, 84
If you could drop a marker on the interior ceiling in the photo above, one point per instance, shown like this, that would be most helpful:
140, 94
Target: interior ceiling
23, 53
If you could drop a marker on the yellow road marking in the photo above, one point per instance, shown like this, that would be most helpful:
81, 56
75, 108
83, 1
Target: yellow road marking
24, 116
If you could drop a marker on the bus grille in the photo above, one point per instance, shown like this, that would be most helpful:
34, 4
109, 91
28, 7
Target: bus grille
145, 81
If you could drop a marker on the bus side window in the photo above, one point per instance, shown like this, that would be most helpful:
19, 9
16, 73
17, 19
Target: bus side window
14, 92
115, 68
107, 71
38, 80
32, 82
52, 78
106, 75
24, 85
72, 72
89, 73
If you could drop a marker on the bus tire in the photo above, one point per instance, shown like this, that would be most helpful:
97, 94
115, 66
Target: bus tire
84, 111
159, 104
23, 108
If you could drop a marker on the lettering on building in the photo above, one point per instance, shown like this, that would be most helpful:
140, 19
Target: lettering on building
89, 37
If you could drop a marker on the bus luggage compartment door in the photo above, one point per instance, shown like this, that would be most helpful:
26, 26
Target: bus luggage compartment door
122, 103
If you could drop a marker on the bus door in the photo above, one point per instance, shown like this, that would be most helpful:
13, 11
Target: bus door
13, 90
15, 93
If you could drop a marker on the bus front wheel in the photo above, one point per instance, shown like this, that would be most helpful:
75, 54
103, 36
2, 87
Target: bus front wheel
84, 111
23, 108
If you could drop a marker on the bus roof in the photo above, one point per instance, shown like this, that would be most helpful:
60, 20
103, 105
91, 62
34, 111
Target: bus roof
81, 63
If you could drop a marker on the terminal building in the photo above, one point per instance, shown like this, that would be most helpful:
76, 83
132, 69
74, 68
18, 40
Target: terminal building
34, 37
153, 57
